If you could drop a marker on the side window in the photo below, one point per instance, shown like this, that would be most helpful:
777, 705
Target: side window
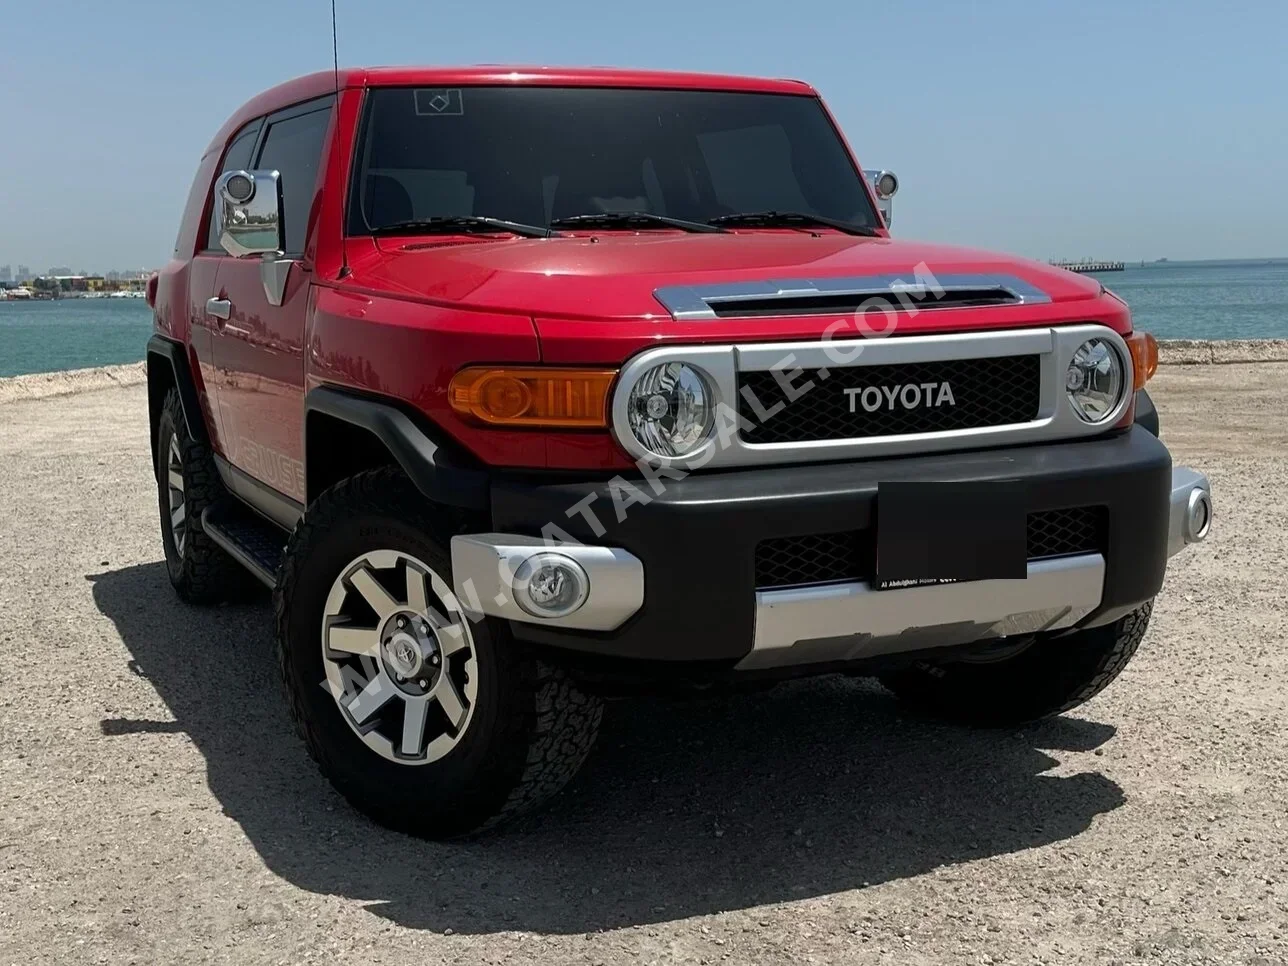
238, 156
293, 146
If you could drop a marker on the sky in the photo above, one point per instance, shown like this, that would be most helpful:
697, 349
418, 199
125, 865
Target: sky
1106, 128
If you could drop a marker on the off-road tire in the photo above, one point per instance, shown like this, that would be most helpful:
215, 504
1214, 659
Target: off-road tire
1050, 677
531, 728
203, 573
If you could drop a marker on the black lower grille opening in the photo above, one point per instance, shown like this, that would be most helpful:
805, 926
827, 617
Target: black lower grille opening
817, 558
857, 402
820, 558
1058, 533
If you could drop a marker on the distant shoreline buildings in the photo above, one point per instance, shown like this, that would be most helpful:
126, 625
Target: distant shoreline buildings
61, 282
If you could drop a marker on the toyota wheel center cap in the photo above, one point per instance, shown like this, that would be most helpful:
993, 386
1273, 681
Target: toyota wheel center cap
402, 652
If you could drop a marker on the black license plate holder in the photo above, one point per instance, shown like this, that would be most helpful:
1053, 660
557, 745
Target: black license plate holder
950, 532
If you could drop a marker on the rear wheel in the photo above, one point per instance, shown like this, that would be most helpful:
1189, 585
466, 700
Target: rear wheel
1050, 676
432, 724
187, 483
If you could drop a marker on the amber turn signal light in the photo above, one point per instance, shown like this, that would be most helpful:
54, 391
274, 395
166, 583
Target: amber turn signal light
533, 397
1144, 357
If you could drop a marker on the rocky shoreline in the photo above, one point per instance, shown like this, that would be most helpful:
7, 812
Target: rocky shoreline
1172, 352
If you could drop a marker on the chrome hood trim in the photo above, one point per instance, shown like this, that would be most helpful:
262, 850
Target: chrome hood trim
690, 303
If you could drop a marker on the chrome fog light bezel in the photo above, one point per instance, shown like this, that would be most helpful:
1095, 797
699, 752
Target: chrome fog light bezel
1198, 515
525, 573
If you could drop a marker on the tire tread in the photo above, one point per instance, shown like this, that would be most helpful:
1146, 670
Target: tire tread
206, 574
1051, 677
557, 727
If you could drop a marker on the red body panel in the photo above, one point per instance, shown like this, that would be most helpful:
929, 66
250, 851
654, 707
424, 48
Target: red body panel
612, 275
201, 351
400, 316
260, 375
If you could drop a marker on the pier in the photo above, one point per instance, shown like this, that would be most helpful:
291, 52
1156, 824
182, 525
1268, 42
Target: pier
1086, 265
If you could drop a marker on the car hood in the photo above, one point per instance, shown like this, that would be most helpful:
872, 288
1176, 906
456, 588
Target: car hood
615, 275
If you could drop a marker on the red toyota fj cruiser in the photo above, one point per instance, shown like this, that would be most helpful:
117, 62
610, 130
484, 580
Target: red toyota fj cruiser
521, 387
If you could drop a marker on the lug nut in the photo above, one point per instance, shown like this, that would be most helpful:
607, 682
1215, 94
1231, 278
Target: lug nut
434, 660
402, 622
423, 683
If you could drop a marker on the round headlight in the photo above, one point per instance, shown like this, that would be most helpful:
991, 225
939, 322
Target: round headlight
670, 410
1094, 380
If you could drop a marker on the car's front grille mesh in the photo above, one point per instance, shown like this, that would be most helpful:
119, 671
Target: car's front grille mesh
900, 399
820, 558
817, 558
1058, 533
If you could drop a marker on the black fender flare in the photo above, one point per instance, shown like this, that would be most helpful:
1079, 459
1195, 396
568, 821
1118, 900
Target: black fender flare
435, 472
1146, 413
167, 352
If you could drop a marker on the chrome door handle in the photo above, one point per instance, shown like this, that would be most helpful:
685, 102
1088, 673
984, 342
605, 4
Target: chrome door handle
219, 308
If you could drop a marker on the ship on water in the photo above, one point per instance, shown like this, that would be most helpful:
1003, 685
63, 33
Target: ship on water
1086, 266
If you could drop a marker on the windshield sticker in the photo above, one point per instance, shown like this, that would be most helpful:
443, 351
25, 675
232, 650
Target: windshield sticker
439, 102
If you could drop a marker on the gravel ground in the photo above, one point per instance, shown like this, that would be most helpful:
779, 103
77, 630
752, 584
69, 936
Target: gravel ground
156, 807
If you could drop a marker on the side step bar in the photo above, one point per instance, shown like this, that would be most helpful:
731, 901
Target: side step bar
247, 537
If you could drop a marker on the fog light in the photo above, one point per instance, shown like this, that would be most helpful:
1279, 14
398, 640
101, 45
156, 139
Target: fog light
1198, 516
550, 585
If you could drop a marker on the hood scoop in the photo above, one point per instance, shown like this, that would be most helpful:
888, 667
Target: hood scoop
844, 296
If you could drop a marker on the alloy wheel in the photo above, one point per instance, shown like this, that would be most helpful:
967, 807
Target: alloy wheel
175, 492
399, 657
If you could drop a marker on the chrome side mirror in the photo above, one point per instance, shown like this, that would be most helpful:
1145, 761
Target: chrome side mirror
248, 209
885, 184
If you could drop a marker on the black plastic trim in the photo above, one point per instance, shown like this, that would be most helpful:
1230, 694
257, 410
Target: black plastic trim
174, 354
437, 475
1146, 413
697, 539
274, 506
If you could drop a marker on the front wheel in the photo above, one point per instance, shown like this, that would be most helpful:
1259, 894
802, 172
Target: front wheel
429, 722
1050, 676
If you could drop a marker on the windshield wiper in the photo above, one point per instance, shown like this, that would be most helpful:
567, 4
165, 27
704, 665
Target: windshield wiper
791, 219
631, 219
464, 223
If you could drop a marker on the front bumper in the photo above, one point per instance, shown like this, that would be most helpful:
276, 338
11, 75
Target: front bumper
672, 577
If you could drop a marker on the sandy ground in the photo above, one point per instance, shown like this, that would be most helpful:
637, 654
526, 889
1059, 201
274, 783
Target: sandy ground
156, 807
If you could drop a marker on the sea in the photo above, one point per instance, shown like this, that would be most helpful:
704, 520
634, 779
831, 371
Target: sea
1246, 299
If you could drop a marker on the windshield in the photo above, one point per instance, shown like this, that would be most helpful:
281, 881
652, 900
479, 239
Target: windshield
533, 155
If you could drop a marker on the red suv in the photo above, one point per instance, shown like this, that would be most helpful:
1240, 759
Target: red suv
526, 387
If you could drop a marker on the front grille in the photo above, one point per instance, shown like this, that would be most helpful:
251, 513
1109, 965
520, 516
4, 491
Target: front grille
1057, 533
820, 558
817, 558
984, 392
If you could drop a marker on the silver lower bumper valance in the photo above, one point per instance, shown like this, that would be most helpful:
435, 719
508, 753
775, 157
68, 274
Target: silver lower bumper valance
843, 622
